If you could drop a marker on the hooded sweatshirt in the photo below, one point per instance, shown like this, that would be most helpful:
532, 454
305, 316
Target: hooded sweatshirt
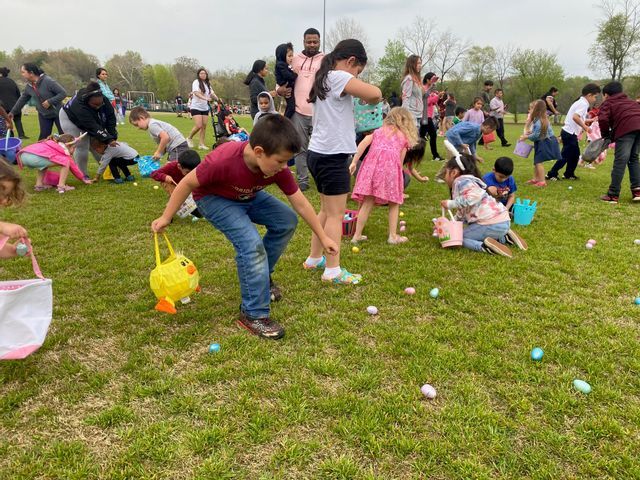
272, 107
99, 123
306, 68
469, 195
285, 76
618, 116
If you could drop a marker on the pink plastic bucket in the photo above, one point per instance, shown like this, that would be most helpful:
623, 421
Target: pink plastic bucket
449, 231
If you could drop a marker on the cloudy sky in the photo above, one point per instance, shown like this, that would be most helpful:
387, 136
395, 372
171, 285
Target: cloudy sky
233, 33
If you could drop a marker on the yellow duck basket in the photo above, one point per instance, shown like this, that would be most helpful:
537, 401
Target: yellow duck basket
173, 279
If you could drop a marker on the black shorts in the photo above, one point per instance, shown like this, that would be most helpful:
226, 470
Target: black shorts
330, 172
199, 112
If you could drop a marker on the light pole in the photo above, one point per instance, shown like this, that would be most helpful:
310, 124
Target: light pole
324, 21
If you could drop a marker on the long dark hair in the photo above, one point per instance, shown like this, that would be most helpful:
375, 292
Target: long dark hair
91, 90
343, 50
32, 68
258, 66
99, 71
411, 68
204, 82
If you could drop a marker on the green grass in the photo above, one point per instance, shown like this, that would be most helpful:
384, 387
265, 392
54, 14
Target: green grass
121, 391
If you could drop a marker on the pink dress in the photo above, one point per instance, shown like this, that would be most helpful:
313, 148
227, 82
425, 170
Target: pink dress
380, 174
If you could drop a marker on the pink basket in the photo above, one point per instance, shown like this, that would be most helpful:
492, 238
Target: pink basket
349, 223
51, 178
449, 231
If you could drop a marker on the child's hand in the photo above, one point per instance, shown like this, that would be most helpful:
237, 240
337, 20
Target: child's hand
493, 191
444, 203
329, 246
12, 230
159, 224
156, 156
169, 179
422, 179
95, 179
352, 168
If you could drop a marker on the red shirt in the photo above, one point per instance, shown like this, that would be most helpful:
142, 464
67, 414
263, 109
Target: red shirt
171, 169
224, 173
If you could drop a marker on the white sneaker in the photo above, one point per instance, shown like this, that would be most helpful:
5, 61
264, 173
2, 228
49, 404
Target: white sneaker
203, 147
190, 143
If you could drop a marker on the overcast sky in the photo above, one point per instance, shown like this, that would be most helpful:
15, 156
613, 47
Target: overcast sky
233, 33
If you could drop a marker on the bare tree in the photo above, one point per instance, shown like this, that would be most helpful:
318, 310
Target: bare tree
343, 29
126, 70
618, 42
451, 50
420, 38
503, 63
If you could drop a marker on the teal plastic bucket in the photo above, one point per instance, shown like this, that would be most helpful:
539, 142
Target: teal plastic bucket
9, 146
523, 211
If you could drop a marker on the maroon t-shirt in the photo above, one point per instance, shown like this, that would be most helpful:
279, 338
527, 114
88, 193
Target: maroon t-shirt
224, 173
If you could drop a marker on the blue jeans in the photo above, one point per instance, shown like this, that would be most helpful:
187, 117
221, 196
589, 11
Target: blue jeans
626, 156
256, 257
474, 234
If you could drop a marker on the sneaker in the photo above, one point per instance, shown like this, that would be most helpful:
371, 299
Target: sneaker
571, 177
506, 144
263, 327
610, 199
189, 143
203, 147
65, 188
303, 187
437, 158
494, 247
635, 195
552, 178
344, 278
130, 178
319, 266
439, 180
514, 239
274, 289
118, 181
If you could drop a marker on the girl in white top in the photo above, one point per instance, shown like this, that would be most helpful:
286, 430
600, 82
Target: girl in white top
412, 92
332, 142
201, 95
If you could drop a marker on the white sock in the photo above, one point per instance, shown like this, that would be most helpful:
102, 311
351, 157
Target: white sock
312, 262
332, 272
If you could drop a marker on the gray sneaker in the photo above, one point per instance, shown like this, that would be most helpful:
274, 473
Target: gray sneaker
263, 327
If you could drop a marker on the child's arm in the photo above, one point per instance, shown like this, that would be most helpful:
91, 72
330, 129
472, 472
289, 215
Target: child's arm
303, 208
415, 174
160, 175
12, 230
162, 146
179, 195
369, 93
510, 200
366, 141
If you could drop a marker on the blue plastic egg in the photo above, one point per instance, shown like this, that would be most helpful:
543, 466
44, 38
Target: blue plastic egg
582, 386
434, 293
637, 301
214, 348
537, 354
21, 249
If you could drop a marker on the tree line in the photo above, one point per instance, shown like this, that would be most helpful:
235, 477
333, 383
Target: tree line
524, 74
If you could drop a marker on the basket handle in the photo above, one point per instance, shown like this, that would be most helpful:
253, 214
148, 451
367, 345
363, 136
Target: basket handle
450, 214
157, 248
34, 263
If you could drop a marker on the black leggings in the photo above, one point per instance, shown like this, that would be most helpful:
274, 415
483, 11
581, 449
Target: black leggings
122, 164
430, 129
46, 126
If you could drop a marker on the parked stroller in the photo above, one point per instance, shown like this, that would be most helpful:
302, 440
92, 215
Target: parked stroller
218, 112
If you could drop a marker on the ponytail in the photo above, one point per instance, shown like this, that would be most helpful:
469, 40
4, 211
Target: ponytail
344, 50
257, 67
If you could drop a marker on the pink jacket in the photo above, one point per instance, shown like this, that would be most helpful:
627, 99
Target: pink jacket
432, 100
55, 153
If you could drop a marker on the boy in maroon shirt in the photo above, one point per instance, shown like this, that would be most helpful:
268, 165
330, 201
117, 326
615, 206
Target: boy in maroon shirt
173, 172
619, 120
228, 187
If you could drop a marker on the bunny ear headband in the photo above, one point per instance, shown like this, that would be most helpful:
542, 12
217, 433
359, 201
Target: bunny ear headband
74, 141
459, 162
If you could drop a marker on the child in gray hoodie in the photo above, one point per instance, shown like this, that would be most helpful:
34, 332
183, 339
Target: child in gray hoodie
265, 106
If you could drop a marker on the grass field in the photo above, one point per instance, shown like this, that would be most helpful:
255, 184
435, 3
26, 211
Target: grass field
120, 391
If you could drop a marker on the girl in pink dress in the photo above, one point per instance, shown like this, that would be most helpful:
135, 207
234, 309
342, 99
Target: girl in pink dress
379, 179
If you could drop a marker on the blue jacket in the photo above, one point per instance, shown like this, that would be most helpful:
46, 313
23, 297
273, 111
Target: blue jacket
464, 133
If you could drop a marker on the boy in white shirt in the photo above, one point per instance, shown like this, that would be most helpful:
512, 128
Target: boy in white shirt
575, 122
497, 111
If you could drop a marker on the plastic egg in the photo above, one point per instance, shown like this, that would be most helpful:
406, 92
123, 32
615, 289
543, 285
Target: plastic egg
589, 246
428, 391
156, 187
582, 386
570, 188
347, 217
592, 242
537, 354
21, 249
403, 228
135, 184
402, 223
410, 291
214, 348
637, 301
194, 219
637, 241
434, 293
355, 249
371, 310
401, 214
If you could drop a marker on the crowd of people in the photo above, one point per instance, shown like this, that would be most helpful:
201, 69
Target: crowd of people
317, 133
